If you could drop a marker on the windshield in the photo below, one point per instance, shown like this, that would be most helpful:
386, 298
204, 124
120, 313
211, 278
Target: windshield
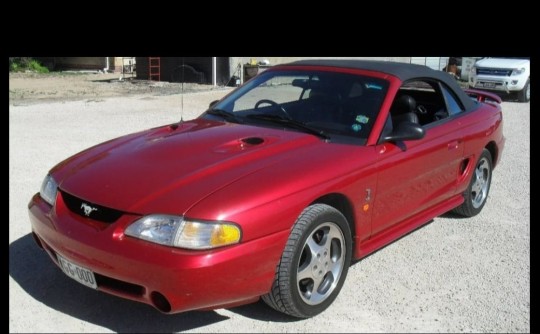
337, 105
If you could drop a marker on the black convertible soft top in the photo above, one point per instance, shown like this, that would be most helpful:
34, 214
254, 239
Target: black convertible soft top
403, 71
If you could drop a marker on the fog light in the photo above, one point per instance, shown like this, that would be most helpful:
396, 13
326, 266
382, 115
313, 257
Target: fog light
514, 82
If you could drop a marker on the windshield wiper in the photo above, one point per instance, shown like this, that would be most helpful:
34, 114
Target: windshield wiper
290, 123
228, 116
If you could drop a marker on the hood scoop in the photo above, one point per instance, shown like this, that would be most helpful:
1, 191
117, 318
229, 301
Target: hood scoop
239, 145
252, 140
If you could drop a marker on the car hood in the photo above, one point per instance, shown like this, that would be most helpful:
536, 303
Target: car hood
502, 63
168, 169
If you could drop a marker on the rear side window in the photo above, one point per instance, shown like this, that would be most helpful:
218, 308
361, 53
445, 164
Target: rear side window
454, 107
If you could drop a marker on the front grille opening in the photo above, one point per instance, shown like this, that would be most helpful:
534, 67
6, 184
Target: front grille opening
160, 302
118, 285
494, 71
93, 211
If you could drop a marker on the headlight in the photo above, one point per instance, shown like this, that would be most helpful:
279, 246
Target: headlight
473, 70
176, 232
518, 71
48, 190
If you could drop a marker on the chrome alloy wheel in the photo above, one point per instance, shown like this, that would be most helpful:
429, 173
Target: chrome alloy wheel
480, 186
321, 263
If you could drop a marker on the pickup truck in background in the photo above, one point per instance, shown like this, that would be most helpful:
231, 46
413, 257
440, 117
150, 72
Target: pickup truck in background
504, 75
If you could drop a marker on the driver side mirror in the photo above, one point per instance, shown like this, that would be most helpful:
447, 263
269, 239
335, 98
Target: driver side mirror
213, 103
405, 131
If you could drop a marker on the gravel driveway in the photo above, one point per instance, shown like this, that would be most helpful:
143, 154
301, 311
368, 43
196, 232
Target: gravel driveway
452, 275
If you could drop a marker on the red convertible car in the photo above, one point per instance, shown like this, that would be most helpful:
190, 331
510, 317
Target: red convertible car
274, 190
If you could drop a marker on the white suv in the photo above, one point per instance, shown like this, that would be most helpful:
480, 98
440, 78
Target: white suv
503, 75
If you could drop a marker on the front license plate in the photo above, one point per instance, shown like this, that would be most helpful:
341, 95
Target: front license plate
78, 273
489, 85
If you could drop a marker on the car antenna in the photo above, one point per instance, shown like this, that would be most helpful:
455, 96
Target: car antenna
175, 125
182, 95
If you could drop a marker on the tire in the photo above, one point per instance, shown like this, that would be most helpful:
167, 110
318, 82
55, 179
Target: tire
313, 265
524, 95
478, 189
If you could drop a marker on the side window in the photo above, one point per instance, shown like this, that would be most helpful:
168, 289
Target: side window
433, 101
454, 107
419, 101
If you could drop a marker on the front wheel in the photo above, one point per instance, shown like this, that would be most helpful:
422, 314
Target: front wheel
524, 95
478, 189
314, 263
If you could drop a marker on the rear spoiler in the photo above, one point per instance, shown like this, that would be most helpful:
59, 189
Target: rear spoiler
483, 96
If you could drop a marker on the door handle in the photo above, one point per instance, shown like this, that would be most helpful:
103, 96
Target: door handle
453, 145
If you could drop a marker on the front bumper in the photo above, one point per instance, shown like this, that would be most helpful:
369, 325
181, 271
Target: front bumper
170, 279
505, 84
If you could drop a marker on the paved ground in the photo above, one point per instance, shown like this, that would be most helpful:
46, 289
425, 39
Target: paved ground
453, 275
32, 88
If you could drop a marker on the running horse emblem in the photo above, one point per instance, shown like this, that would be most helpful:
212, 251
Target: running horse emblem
87, 209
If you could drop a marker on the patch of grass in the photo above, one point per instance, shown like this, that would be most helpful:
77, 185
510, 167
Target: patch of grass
14, 67
36, 66
20, 64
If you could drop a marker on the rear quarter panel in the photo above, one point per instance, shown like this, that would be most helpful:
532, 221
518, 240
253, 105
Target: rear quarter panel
481, 128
